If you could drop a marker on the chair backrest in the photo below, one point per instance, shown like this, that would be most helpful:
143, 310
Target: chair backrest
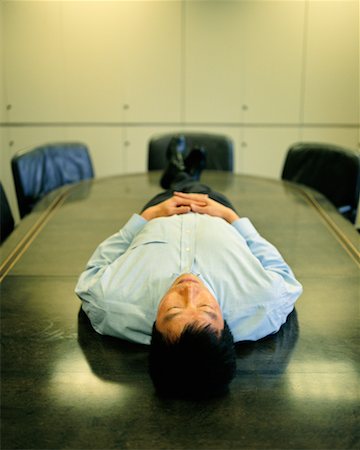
219, 150
331, 170
7, 219
43, 169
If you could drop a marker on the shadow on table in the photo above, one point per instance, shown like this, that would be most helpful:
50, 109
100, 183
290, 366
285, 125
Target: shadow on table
110, 358
269, 356
116, 360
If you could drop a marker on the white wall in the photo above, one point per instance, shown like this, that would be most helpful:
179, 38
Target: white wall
5, 149
113, 73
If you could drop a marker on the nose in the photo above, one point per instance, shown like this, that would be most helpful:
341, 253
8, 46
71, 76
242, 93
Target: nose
190, 291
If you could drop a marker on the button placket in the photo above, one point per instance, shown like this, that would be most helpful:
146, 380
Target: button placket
187, 245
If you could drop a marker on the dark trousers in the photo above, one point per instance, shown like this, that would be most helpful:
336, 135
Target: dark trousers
183, 182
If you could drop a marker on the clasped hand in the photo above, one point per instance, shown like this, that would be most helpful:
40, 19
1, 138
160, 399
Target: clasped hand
182, 203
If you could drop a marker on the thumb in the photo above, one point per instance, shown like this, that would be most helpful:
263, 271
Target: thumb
195, 207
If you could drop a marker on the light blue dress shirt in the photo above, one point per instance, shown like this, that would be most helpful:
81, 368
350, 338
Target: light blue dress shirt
130, 272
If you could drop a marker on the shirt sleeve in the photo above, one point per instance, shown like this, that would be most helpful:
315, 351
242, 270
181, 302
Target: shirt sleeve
288, 288
269, 257
107, 252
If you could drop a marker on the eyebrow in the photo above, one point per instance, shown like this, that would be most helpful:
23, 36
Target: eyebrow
171, 316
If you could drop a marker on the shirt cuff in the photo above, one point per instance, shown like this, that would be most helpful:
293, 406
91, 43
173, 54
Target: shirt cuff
134, 224
245, 228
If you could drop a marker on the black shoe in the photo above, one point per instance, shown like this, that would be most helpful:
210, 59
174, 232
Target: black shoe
176, 165
176, 151
195, 162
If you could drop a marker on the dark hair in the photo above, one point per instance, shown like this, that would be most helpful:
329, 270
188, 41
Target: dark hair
198, 364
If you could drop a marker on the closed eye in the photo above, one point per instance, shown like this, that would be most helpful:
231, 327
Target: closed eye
207, 306
172, 315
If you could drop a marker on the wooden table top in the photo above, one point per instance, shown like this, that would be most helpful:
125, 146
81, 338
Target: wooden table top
64, 386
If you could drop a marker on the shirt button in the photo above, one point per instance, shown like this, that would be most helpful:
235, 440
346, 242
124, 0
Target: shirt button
187, 249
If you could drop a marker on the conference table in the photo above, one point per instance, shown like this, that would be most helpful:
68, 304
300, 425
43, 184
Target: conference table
66, 387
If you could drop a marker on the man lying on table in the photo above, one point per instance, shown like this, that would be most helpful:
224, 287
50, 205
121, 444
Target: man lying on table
189, 277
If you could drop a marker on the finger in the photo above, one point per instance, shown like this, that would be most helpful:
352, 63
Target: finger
197, 208
179, 201
193, 196
189, 201
183, 209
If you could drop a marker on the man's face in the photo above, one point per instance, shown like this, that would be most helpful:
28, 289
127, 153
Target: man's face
187, 301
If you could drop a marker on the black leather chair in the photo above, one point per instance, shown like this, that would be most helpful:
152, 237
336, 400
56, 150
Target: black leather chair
7, 219
43, 169
331, 170
219, 150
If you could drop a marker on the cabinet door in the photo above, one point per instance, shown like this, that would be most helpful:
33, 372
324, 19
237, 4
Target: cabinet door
214, 63
263, 150
135, 149
93, 59
33, 61
6, 176
122, 64
243, 61
332, 63
152, 68
344, 137
273, 47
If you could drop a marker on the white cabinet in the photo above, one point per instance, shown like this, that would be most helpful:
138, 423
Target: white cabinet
33, 61
5, 172
122, 61
243, 61
135, 147
107, 62
263, 150
153, 55
93, 61
113, 73
273, 47
214, 61
342, 136
332, 63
